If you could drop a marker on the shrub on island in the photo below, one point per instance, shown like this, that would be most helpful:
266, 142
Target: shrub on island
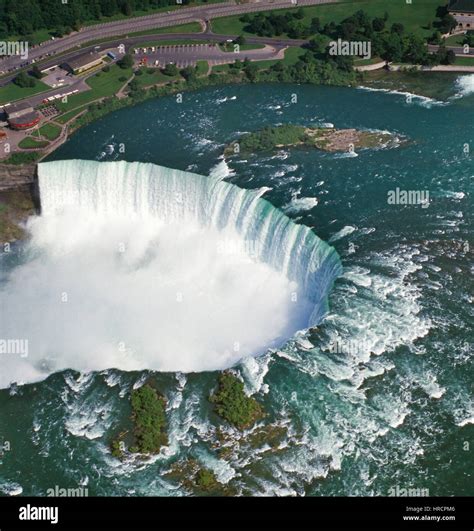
149, 420
233, 405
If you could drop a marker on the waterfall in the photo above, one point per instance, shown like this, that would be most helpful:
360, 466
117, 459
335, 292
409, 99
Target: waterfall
147, 190
135, 266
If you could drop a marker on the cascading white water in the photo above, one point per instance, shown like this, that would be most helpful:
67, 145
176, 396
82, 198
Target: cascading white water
138, 266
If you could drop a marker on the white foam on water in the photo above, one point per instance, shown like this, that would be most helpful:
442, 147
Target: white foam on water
127, 270
345, 231
300, 204
410, 97
221, 171
465, 86
10, 488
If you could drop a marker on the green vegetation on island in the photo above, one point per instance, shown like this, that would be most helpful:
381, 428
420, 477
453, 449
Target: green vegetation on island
326, 139
149, 424
233, 405
198, 479
206, 480
149, 419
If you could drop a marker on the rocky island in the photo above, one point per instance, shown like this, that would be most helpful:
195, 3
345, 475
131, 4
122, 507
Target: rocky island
324, 138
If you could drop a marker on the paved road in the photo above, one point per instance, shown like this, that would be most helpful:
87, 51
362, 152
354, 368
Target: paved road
159, 20
458, 50
133, 41
181, 55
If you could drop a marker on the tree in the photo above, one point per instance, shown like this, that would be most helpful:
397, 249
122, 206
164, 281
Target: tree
126, 8
450, 57
125, 62
237, 65
251, 71
415, 50
348, 30
317, 45
343, 62
397, 28
391, 47
170, 70
297, 30
315, 26
23, 80
378, 24
447, 24
240, 40
299, 14
133, 85
189, 73
435, 38
36, 72
469, 39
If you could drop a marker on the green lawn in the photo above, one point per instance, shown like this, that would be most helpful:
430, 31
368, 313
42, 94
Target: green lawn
455, 40
24, 157
146, 79
50, 131
220, 68
102, 84
364, 62
12, 92
414, 16
30, 143
292, 56
202, 68
67, 116
464, 61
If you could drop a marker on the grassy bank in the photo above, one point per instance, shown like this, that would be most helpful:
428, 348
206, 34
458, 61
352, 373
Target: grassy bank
12, 92
416, 17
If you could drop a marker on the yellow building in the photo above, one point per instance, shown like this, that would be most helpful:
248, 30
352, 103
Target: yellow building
83, 63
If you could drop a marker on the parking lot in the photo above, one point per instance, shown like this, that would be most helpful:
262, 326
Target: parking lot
183, 55
57, 77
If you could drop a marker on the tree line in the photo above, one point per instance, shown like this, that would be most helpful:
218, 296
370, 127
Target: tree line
391, 42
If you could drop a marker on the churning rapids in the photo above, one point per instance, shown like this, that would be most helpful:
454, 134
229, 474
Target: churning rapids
136, 266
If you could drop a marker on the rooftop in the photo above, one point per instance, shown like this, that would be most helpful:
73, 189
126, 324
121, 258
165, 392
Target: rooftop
83, 60
27, 118
17, 107
461, 6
